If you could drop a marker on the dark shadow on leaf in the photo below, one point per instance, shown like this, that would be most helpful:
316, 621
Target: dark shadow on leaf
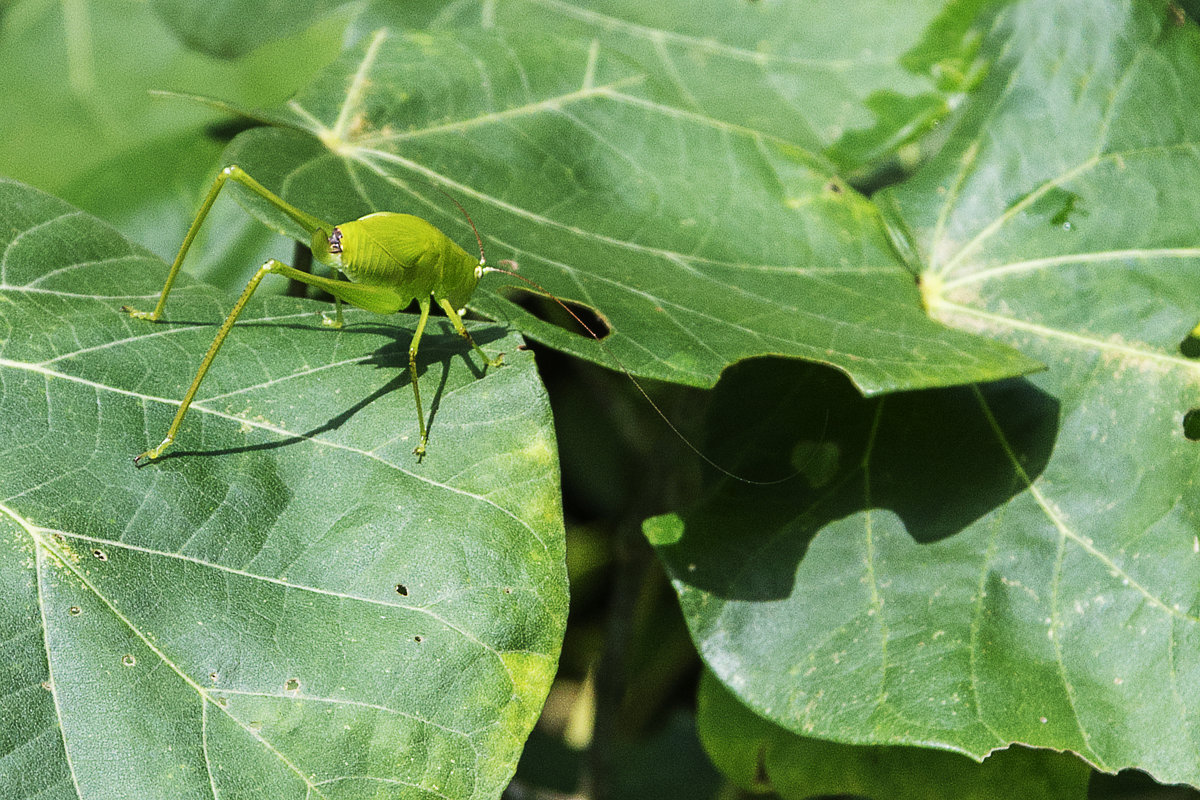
436, 347
938, 459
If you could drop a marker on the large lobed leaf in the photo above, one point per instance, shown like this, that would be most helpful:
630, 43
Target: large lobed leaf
1016, 562
700, 241
287, 605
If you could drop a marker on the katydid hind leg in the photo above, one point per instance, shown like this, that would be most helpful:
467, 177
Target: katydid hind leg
152, 454
235, 173
373, 296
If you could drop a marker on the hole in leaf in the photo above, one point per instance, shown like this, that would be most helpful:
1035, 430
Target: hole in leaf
74, 611
291, 685
418, 639
212, 676
1191, 424
128, 660
100, 554
547, 310
401, 590
1190, 346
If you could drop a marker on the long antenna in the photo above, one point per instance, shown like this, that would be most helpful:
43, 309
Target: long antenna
471, 222
641, 389
543, 291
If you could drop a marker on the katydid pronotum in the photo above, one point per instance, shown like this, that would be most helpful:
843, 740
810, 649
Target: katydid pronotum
390, 259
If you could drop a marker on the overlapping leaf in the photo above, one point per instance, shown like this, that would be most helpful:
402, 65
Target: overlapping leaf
762, 757
289, 605
827, 78
229, 28
1014, 563
700, 242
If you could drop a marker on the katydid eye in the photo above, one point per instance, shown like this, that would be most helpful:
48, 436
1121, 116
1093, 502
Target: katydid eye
335, 241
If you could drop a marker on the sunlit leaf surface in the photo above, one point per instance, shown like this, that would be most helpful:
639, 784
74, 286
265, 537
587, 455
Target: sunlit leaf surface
1016, 562
700, 242
287, 605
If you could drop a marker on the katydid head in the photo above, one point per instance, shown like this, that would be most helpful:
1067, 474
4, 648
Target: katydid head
327, 247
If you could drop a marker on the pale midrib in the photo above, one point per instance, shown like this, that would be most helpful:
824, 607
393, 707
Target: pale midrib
199, 406
47, 545
45, 223
658, 35
458, 126
175, 331
760, 335
277, 581
995, 225
357, 85
1034, 264
1074, 339
360, 150
1061, 525
369, 156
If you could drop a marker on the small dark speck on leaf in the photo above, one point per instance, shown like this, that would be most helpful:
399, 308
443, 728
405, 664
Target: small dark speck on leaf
74, 611
1191, 424
401, 590
100, 554
418, 639
834, 186
292, 685
508, 590
760, 768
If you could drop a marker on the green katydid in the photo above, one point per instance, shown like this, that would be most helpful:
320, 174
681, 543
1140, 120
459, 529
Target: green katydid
390, 259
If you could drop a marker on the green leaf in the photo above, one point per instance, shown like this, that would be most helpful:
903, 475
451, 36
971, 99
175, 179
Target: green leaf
700, 243
151, 193
78, 94
287, 604
230, 28
761, 756
824, 77
1016, 562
